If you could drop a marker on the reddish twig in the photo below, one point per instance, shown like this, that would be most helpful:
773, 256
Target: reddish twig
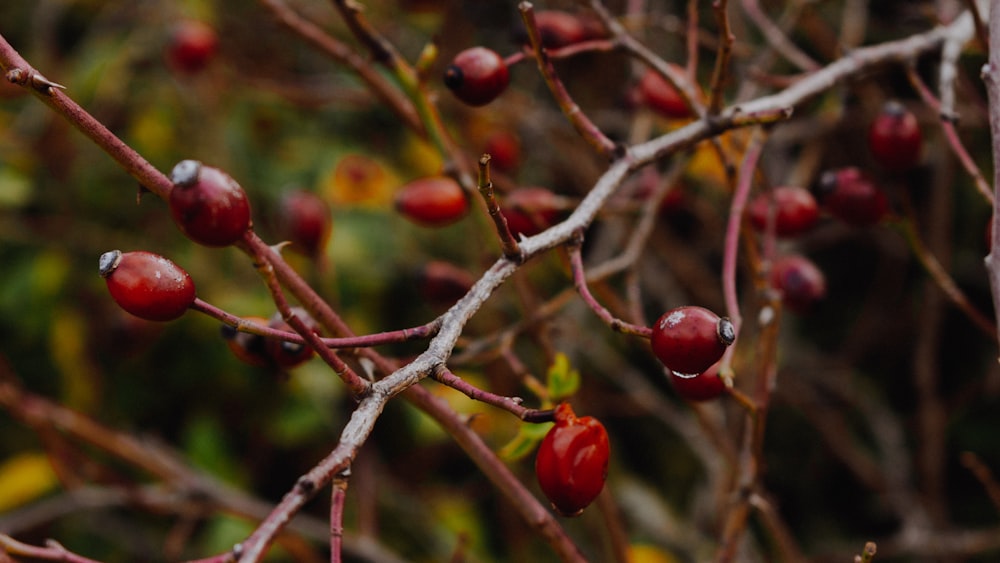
510, 404
580, 282
507, 242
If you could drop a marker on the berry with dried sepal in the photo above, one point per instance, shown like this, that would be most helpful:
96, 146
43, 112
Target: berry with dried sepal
147, 285
477, 76
688, 340
894, 137
208, 205
572, 461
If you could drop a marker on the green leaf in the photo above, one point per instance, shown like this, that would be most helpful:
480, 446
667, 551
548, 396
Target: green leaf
562, 380
527, 438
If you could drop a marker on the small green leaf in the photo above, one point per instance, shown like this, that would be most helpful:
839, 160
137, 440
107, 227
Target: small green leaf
527, 438
562, 380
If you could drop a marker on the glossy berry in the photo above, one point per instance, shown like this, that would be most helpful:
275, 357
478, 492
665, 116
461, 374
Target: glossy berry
703, 386
894, 137
850, 195
477, 76
283, 353
305, 221
504, 150
688, 340
559, 29
147, 285
434, 201
531, 210
192, 46
443, 283
795, 210
572, 461
207, 204
799, 280
661, 96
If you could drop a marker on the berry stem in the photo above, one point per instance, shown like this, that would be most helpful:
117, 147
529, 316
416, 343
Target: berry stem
725, 50
584, 126
511, 404
338, 496
507, 242
580, 282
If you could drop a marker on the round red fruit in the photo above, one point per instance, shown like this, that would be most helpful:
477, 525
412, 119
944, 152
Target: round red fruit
207, 204
850, 195
799, 280
434, 201
688, 340
795, 210
147, 285
894, 137
572, 461
661, 96
443, 283
287, 354
193, 45
305, 221
704, 386
559, 29
504, 150
530, 211
477, 76
247, 347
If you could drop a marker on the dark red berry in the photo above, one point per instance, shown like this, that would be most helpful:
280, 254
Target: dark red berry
443, 283
504, 150
247, 347
894, 137
305, 221
572, 461
192, 46
477, 76
799, 280
147, 285
795, 210
661, 96
207, 204
703, 386
851, 195
433, 201
283, 353
531, 210
688, 340
559, 29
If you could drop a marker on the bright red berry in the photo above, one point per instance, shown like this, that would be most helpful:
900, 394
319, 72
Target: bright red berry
894, 137
688, 340
305, 221
193, 45
477, 76
572, 461
147, 285
703, 386
799, 280
661, 96
795, 210
850, 195
434, 201
207, 204
531, 210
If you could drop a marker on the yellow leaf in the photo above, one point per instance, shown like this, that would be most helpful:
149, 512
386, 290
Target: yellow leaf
24, 478
644, 553
357, 179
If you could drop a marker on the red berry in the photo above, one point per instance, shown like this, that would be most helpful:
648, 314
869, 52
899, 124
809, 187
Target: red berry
443, 283
477, 76
147, 285
305, 221
434, 201
661, 96
559, 29
504, 150
799, 280
247, 347
530, 211
704, 386
192, 46
688, 340
572, 461
894, 137
795, 210
207, 204
851, 195
287, 354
